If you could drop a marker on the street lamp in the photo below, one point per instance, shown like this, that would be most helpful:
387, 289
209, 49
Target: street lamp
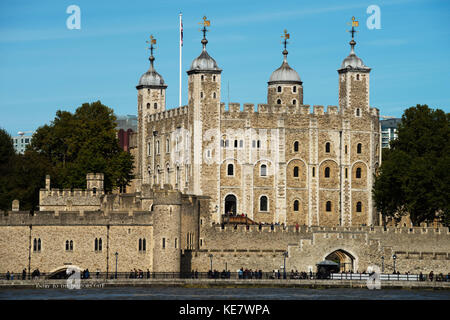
285, 254
382, 264
211, 257
116, 254
395, 258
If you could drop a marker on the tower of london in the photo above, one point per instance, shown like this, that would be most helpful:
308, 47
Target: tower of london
300, 176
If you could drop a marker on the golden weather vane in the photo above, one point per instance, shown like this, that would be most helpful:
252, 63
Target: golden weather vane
151, 42
285, 37
354, 24
205, 23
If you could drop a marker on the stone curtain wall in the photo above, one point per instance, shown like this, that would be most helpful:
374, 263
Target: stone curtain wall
417, 249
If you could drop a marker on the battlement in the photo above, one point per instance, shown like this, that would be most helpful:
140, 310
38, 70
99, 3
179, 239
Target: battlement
338, 229
65, 218
249, 108
169, 113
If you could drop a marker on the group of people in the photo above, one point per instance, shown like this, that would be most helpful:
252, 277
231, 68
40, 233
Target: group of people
215, 274
250, 274
139, 274
433, 277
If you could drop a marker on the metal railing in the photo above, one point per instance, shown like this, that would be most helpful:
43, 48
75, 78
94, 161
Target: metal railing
223, 275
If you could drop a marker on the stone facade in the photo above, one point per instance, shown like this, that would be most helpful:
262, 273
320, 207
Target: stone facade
305, 175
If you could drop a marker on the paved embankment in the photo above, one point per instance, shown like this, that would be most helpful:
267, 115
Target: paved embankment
221, 283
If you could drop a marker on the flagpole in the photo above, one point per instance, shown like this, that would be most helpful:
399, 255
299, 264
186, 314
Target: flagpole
181, 39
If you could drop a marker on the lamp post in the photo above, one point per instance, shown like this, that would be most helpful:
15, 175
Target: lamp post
382, 264
211, 257
285, 254
116, 254
395, 258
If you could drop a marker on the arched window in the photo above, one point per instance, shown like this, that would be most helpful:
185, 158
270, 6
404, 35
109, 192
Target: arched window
94, 190
359, 206
167, 174
327, 172
230, 169
357, 77
140, 244
294, 89
294, 102
155, 106
296, 205
167, 145
67, 245
296, 172
328, 206
263, 170
71, 245
214, 78
157, 147
148, 105
314, 172
296, 145
39, 245
359, 148
279, 89
327, 147
34, 244
235, 143
278, 101
214, 95
96, 244
263, 203
358, 173
358, 112
100, 244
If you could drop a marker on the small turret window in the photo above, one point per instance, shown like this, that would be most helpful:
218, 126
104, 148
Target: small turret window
279, 89
327, 172
201, 94
359, 148
148, 105
328, 206
327, 147
230, 170
359, 206
295, 172
278, 101
296, 144
358, 173
214, 78
294, 102
155, 105
214, 95
357, 77
358, 112
263, 170
294, 89
203, 78
296, 205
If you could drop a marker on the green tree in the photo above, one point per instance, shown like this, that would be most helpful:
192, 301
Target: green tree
7, 155
82, 142
415, 178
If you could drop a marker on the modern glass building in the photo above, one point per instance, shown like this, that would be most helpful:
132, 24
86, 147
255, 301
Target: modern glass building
389, 130
21, 141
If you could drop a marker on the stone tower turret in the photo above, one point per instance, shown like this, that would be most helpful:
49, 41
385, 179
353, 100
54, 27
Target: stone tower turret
166, 230
204, 113
284, 86
353, 84
151, 100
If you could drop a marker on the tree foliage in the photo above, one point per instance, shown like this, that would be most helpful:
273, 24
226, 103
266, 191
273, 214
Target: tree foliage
67, 149
83, 142
415, 178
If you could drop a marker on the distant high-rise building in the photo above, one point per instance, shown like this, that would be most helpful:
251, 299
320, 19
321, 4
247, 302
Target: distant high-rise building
388, 130
126, 125
22, 140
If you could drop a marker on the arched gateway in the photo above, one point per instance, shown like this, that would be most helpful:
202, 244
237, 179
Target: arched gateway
346, 260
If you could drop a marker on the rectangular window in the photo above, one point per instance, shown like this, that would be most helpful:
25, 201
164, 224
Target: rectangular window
163, 243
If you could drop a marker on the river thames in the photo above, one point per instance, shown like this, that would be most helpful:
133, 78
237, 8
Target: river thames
136, 293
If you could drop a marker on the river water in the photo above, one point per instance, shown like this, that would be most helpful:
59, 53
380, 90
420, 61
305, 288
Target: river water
146, 293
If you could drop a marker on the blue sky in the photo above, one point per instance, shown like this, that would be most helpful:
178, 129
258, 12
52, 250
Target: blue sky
45, 66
